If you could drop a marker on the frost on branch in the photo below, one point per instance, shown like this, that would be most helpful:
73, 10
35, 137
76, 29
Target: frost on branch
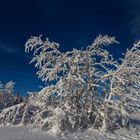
46, 56
103, 41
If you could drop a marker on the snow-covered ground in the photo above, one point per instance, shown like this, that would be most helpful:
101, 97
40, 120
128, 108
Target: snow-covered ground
22, 133
19, 133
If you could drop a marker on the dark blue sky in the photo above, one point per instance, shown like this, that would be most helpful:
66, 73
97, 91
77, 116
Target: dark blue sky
72, 23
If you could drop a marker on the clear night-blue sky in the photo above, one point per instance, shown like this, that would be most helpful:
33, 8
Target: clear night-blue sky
72, 23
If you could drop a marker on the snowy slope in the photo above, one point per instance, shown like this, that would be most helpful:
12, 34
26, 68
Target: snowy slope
22, 133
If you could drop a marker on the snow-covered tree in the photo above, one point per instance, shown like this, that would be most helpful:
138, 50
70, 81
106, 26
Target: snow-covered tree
79, 76
7, 97
9, 87
124, 95
1, 88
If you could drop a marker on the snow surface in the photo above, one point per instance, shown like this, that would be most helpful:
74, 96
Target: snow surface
24, 133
